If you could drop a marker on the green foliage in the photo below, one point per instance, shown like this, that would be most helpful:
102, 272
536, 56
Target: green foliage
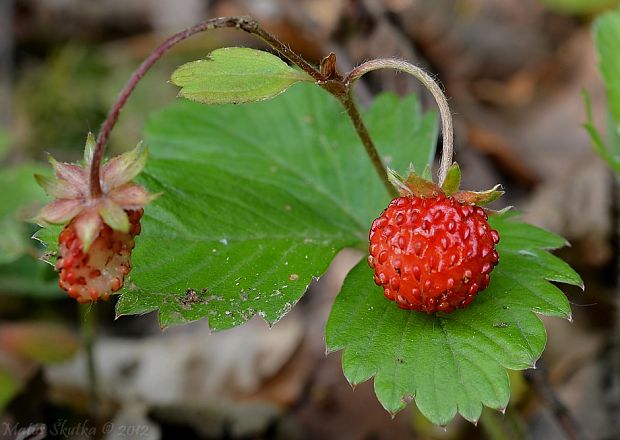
454, 362
70, 92
607, 37
579, 6
57, 101
20, 273
607, 40
4, 143
609, 154
19, 195
235, 75
257, 201
9, 386
27, 277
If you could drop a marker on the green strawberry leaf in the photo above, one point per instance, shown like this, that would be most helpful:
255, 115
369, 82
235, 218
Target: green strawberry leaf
606, 37
454, 362
258, 199
19, 198
10, 384
27, 277
235, 75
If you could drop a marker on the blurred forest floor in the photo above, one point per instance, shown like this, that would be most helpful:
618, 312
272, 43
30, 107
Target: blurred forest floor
514, 71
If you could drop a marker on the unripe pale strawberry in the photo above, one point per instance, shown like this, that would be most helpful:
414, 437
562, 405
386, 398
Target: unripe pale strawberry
94, 248
89, 276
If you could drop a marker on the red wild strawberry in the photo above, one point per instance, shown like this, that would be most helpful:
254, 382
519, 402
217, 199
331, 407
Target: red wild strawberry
94, 248
432, 249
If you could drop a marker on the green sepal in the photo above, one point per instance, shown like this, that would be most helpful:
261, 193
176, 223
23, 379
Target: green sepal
122, 169
55, 187
89, 149
413, 185
453, 180
114, 216
479, 197
67, 172
427, 174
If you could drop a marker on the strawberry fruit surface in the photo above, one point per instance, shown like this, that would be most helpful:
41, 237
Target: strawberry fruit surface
432, 249
94, 248
432, 254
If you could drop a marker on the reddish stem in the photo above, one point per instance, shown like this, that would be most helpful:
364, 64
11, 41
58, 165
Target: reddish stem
246, 24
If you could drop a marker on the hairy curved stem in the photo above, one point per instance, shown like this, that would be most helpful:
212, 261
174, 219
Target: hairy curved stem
432, 86
247, 24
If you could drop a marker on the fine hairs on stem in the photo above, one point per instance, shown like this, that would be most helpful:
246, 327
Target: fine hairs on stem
431, 85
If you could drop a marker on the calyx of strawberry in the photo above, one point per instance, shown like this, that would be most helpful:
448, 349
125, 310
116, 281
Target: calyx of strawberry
70, 189
423, 186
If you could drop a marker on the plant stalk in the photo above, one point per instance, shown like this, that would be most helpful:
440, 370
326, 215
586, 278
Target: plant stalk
354, 114
88, 324
431, 85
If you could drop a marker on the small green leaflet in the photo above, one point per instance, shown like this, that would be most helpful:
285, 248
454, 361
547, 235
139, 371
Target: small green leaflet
454, 362
235, 75
257, 200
